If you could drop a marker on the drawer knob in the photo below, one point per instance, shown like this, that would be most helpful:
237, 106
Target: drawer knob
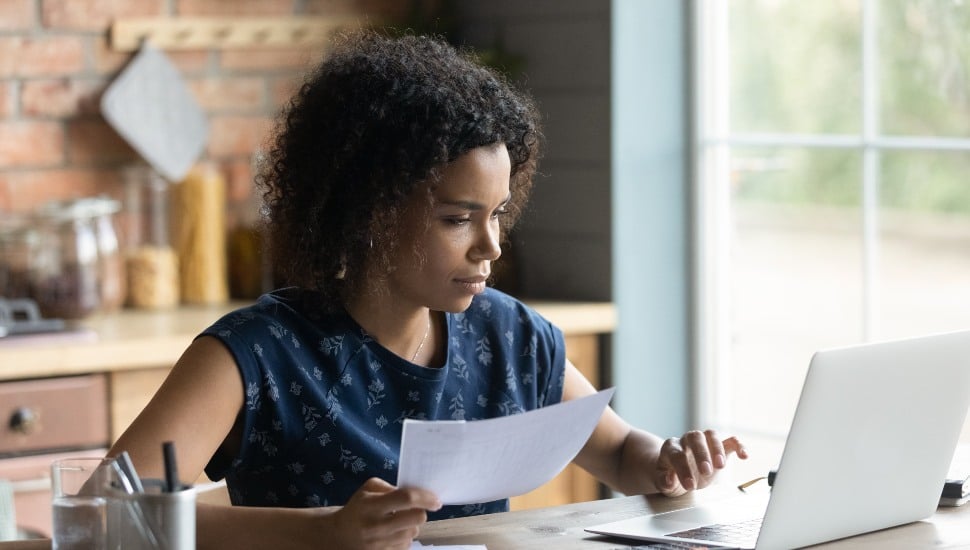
24, 420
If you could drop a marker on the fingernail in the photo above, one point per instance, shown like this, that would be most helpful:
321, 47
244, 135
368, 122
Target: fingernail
705, 468
718, 461
687, 482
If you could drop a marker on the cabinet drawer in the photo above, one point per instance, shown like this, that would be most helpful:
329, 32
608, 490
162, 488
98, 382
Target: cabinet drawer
53, 413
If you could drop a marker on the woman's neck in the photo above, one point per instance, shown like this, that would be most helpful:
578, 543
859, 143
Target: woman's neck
408, 332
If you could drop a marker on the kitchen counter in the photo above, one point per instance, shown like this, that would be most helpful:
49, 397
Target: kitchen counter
133, 339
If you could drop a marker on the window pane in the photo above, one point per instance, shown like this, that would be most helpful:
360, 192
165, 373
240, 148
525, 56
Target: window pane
925, 67
795, 66
796, 274
924, 242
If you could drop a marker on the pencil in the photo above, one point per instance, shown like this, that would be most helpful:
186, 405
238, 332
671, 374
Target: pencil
171, 468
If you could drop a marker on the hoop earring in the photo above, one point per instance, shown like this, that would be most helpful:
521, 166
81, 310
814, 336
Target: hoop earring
342, 272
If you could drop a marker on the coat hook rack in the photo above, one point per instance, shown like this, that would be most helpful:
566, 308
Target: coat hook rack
199, 33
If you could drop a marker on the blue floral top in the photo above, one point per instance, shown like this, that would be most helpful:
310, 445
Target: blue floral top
325, 403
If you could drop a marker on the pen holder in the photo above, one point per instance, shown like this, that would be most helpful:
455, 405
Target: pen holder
157, 520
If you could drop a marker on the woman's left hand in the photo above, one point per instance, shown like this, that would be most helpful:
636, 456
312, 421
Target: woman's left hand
691, 461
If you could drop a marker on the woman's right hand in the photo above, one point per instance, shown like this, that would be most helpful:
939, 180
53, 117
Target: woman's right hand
380, 515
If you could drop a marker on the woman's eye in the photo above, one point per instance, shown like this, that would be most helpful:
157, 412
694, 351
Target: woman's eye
458, 221
499, 213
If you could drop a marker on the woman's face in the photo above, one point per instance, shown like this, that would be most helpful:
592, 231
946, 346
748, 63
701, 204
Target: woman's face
460, 239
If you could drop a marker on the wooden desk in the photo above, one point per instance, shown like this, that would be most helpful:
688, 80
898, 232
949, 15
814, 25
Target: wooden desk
561, 527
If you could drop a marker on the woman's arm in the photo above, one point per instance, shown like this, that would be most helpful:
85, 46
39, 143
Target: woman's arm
634, 461
196, 408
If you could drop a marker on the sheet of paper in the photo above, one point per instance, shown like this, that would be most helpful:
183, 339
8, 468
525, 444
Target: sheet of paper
485, 460
415, 545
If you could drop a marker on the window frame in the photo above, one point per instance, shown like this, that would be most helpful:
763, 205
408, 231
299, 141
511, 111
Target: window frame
711, 142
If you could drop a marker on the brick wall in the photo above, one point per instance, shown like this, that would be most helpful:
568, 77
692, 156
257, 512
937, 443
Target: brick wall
55, 62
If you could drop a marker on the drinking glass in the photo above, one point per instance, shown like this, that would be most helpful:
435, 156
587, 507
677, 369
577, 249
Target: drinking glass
79, 503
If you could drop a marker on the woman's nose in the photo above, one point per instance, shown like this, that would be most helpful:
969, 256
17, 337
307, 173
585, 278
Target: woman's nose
488, 245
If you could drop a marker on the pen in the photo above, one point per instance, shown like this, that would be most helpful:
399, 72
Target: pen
171, 468
128, 470
131, 484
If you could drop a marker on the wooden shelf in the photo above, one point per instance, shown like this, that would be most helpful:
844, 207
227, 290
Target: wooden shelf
200, 33
138, 339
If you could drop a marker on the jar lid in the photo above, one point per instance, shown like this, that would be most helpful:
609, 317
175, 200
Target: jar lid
14, 225
13, 220
78, 209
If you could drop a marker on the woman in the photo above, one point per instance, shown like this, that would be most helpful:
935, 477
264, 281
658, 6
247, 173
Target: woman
398, 166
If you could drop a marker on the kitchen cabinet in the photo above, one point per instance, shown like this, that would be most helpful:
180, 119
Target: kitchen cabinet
133, 351
46, 419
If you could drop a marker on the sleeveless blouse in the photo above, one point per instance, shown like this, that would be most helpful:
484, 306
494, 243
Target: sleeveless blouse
325, 403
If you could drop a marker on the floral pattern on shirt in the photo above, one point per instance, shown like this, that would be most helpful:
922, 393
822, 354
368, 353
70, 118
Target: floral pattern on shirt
325, 403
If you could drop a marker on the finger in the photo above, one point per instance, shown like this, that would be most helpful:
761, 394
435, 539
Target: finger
666, 477
716, 448
383, 520
697, 448
680, 460
733, 445
377, 485
367, 494
393, 498
401, 520
669, 485
400, 528
410, 497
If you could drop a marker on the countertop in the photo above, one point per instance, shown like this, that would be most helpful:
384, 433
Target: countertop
139, 339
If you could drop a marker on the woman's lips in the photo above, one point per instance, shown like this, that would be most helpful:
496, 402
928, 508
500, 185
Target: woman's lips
474, 285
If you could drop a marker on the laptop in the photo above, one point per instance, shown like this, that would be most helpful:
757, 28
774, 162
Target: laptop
869, 447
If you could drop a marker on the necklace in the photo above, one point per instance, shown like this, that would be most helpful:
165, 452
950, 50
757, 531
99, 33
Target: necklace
423, 340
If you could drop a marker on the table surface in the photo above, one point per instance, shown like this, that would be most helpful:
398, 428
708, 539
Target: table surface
561, 527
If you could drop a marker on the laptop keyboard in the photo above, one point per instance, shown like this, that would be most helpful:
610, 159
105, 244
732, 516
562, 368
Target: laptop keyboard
668, 546
743, 534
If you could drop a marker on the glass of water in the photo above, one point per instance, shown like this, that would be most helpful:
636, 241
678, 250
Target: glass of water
79, 505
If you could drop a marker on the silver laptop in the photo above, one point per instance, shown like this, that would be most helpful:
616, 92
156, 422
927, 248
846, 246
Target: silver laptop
869, 447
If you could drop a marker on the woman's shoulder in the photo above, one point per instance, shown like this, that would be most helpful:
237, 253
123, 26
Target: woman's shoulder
288, 307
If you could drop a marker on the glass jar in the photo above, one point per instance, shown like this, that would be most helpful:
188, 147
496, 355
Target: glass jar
151, 263
110, 261
199, 212
248, 265
65, 269
17, 243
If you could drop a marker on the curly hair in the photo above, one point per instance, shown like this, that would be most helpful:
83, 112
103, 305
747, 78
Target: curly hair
377, 119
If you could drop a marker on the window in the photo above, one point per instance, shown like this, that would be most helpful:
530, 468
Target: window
832, 190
